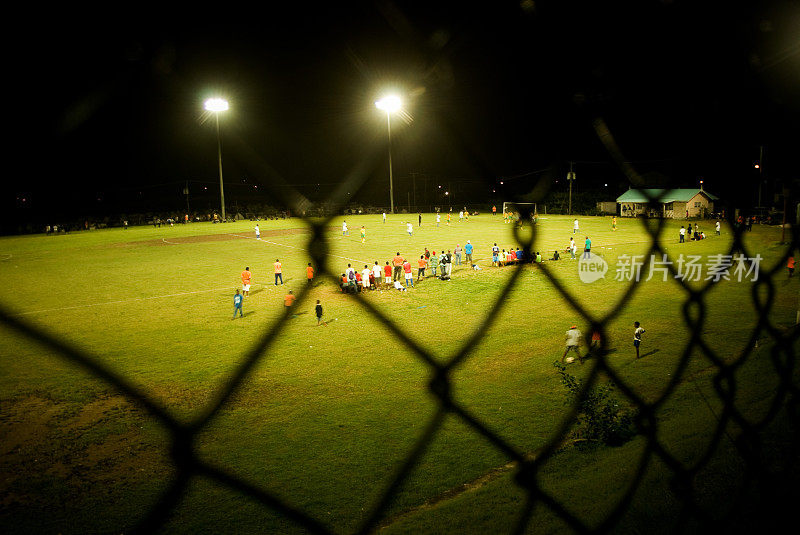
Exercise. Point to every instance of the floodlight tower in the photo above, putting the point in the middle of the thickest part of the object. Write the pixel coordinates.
(217, 105)
(390, 104)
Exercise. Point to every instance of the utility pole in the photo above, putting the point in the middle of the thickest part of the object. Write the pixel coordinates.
(760, 171)
(570, 178)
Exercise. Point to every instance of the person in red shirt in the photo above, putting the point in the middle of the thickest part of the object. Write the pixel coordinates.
(246, 281)
(288, 300)
(310, 273)
(790, 265)
(387, 273)
(409, 276)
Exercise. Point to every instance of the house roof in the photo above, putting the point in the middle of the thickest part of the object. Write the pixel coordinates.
(663, 195)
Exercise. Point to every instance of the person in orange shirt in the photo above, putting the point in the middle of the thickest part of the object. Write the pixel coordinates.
(310, 273)
(288, 300)
(397, 262)
(246, 281)
(790, 265)
(421, 265)
(278, 271)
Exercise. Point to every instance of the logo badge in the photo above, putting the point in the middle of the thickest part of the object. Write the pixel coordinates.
(591, 267)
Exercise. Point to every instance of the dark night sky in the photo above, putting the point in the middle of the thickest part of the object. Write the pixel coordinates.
(110, 103)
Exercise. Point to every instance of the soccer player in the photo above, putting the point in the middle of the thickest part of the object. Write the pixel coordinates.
(384, 217)
(363, 234)
(448, 218)
(614, 223)
(258, 232)
(575, 227)
(717, 228)
(573, 338)
(410, 229)
(288, 300)
(310, 274)
(637, 336)
(246, 281)
(438, 218)
(494, 210)
(419, 224)
(278, 271)
(344, 229)
(318, 312)
(237, 304)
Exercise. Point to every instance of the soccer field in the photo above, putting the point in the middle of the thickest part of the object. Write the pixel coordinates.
(328, 414)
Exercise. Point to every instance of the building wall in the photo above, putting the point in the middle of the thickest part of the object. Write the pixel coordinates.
(699, 206)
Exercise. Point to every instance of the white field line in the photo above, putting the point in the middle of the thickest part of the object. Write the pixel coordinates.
(298, 248)
(122, 301)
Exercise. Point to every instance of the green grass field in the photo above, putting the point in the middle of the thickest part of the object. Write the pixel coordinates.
(328, 413)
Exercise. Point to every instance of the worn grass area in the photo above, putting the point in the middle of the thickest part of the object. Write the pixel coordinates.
(329, 412)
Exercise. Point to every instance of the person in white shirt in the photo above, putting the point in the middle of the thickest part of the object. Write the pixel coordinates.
(258, 232)
(384, 217)
(717, 227)
(683, 234)
(376, 272)
(575, 227)
(344, 228)
(572, 248)
(637, 336)
(410, 229)
(438, 218)
(365, 277)
(573, 338)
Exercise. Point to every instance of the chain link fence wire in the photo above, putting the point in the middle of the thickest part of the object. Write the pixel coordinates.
(188, 465)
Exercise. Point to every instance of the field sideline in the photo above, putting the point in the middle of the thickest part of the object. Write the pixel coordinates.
(329, 412)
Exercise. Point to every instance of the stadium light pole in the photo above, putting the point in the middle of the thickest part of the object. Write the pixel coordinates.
(390, 104)
(217, 105)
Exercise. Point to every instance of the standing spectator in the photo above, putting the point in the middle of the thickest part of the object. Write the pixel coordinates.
(790, 266)
(421, 264)
(468, 252)
(237, 304)
(397, 262)
(683, 235)
(365, 273)
(457, 254)
(318, 312)
(278, 271)
(637, 336)
(449, 263)
(310, 274)
(717, 227)
(376, 273)
(387, 273)
(384, 218)
(408, 274)
(494, 210)
(350, 273)
(258, 232)
(434, 263)
(587, 248)
(246, 275)
(443, 266)
(573, 338)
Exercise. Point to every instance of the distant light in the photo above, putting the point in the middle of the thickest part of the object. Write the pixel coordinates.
(216, 104)
(501, 183)
(447, 193)
(606, 185)
(389, 104)
(757, 166)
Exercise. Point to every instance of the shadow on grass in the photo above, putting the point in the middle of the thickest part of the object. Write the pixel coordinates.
(653, 352)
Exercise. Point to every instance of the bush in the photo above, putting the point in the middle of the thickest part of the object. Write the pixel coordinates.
(601, 417)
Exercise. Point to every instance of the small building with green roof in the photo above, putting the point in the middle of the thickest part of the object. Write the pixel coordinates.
(667, 203)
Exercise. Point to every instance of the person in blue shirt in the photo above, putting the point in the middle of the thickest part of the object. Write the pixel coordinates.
(468, 252)
(237, 304)
(518, 254)
(587, 247)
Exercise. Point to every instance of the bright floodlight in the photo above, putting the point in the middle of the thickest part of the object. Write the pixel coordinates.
(216, 104)
(389, 104)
